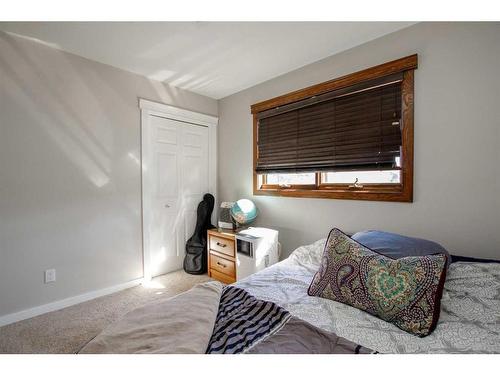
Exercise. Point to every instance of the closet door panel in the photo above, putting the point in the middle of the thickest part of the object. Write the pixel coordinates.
(195, 173)
(177, 181)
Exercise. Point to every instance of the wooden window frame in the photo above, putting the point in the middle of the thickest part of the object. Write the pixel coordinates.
(401, 192)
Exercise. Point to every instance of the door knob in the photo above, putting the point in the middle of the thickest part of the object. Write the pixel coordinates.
(167, 206)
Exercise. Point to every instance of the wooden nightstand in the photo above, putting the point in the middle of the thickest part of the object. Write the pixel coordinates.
(234, 255)
(221, 248)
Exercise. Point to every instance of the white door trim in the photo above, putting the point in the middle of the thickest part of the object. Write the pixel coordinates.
(148, 109)
(176, 113)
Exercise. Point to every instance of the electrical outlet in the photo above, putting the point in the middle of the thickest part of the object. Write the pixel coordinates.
(50, 276)
(266, 260)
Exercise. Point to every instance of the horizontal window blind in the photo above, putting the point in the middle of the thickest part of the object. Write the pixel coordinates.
(354, 128)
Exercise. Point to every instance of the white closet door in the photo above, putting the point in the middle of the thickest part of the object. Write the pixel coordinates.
(176, 184)
(194, 170)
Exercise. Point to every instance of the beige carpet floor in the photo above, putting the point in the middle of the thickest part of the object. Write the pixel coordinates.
(67, 330)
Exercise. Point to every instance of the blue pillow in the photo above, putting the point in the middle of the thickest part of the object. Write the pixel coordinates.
(397, 246)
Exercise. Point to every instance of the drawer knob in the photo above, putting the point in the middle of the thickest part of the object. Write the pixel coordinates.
(221, 244)
(220, 264)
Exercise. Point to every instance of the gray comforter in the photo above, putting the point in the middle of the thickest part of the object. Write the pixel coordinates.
(182, 324)
(216, 320)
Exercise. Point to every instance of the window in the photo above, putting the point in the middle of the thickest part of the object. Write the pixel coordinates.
(364, 177)
(349, 138)
(290, 178)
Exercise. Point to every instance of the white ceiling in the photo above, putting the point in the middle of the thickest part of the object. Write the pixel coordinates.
(215, 59)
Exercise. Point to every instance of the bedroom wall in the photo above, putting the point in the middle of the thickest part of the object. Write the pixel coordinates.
(69, 172)
(457, 133)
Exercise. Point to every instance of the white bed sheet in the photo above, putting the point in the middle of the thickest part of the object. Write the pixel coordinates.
(470, 310)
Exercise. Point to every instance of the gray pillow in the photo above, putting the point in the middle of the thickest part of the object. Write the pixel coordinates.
(397, 246)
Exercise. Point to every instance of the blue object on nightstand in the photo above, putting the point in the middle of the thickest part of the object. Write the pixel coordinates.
(244, 211)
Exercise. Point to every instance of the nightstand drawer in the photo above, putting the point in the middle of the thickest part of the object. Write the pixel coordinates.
(222, 245)
(222, 265)
(222, 277)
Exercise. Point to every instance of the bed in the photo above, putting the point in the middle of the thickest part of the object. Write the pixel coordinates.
(469, 320)
(470, 307)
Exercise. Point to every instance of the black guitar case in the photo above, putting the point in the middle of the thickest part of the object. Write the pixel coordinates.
(195, 261)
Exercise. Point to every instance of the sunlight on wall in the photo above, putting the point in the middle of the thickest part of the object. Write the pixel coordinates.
(80, 137)
(36, 40)
(161, 91)
(136, 160)
(160, 256)
(65, 143)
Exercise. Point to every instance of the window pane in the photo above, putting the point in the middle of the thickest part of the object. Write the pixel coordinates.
(291, 179)
(366, 177)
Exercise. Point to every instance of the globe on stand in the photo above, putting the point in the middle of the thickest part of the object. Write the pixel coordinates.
(243, 212)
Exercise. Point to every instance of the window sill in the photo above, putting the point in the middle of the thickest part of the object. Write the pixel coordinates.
(390, 193)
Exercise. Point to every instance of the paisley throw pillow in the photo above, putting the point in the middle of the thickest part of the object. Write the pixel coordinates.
(405, 292)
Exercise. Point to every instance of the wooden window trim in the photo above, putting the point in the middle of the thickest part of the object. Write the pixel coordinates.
(402, 192)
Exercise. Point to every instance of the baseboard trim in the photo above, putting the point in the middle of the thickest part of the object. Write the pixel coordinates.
(57, 305)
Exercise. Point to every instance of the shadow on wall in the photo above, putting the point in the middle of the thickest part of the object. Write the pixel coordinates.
(30, 83)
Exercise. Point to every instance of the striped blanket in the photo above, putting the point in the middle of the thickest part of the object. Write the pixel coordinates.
(245, 324)
(243, 320)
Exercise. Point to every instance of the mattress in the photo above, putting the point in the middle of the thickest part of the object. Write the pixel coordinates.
(470, 307)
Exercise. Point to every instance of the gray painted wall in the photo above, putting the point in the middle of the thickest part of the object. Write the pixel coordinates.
(457, 137)
(69, 172)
